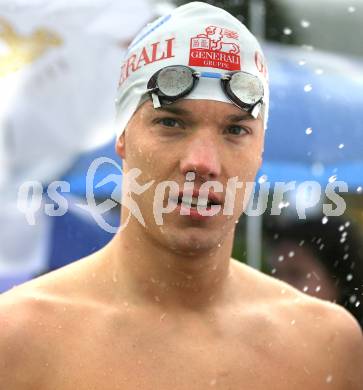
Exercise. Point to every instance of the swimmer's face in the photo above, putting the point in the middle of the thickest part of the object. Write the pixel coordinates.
(216, 140)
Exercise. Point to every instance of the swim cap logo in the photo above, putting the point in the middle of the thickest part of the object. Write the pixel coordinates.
(216, 48)
(157, 51)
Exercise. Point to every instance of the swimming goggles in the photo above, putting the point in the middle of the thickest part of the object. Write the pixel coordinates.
(171, 83)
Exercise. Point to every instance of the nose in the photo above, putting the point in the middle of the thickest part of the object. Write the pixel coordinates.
(202, 156)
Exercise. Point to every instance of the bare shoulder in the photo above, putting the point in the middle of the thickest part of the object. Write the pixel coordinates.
(31, 315)
(22, 348)
(326, 335)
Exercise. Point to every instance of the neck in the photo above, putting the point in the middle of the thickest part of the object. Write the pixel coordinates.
(155, 273)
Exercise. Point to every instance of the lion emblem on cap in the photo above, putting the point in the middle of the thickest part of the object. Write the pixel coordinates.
(218, 39)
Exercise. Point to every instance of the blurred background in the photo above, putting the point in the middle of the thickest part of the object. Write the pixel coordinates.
(59, 68)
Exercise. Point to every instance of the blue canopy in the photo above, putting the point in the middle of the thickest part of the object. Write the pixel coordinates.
(316, 117)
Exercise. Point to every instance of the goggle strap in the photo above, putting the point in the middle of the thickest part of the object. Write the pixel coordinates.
(256, 110)
(156, 100)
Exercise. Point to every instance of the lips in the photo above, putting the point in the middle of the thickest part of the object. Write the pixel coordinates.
(197, 198)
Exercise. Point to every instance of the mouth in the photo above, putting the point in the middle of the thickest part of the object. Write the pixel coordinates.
(196, 200)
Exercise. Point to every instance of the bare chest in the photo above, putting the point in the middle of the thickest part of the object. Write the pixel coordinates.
(157, 356)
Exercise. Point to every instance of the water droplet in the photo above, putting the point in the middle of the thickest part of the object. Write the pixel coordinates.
(308, 88)
(349, 277)
(287, 31)
(162, 317)
(341, 228)
(291, 254)
(351, 9)
(357, 304)
(305, 23)
(319, 71)
(345, 257)
(341, 146)
(332, 179)
(262, 179)
(273, 271)
(309, 130)
(352, 298)
(329, 379)
(306, 288)
(280, 258)
(302, 62)
(283, 205)
(219, 245)
(324, 220)
(308, 275)
(359, 189)
(318, 288)
(293, 322)
(347, 224)
(302, 242)
(283, 291)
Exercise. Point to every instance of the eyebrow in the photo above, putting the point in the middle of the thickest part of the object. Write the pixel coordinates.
(174, 110)
(238, 118)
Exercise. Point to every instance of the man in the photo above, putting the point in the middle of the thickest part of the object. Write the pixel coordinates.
(163, 306)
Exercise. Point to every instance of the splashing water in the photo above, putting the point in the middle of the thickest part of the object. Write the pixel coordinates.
(308, 131)
(262, 179)
(287, 31)
(283, 205)
(305, 23)
(308, 88)
(324, 220)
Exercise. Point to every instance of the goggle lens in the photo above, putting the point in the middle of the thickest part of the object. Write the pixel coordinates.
(175, 81)
(246, 87)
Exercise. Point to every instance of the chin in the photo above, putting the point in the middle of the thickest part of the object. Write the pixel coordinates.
(190, 241)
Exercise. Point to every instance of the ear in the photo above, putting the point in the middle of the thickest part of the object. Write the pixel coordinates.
(120, 146)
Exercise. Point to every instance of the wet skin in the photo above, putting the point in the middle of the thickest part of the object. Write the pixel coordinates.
(165, 307)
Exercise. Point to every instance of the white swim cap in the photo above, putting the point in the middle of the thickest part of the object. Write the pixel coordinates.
(197, 35)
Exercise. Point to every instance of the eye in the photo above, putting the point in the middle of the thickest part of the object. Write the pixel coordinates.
(168, 122)
(236, 130)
